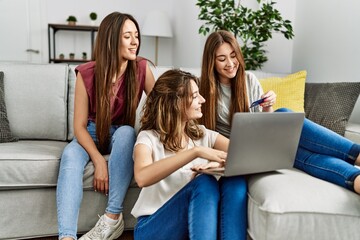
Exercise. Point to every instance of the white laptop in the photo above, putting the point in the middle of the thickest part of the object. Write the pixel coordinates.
(261, 142)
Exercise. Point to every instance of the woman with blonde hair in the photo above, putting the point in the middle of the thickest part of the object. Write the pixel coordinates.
(174, 202)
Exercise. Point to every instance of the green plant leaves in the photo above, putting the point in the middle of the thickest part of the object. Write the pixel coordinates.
(252, 27)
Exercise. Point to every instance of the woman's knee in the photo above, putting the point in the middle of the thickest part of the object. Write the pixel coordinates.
(207, 184)
(74, 156)
(236, 184)
(125, 133)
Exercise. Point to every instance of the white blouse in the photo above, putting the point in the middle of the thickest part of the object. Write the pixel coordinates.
(151, 198)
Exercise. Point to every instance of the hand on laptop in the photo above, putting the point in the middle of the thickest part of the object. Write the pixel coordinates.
(214, 166)
(209, 165)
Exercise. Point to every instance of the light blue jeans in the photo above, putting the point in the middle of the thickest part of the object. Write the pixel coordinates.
(205, 209)
(327, 155)
(69, 190)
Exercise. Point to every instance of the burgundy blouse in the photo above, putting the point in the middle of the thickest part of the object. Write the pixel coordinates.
(87, 71)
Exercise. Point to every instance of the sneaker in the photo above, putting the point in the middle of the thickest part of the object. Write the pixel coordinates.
(104, 231)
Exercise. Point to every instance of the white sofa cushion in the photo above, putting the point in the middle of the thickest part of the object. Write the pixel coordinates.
(284, 203)
(352, 132)
(30, 164)
(36, 102)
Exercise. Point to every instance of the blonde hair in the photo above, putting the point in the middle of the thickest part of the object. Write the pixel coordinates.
(165, 109)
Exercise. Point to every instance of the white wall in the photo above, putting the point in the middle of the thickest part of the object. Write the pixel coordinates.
(327, 42)
(57, 12)
(183, 50)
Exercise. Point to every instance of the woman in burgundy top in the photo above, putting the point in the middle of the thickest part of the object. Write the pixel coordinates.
(107, 93)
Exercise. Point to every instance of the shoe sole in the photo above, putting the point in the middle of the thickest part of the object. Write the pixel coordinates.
(118, 232)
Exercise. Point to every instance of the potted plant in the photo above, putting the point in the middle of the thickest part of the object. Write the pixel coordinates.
(84, 56)
(72, 56)
(93, 17)
(71, 20)
(61, 56)
(252, 27)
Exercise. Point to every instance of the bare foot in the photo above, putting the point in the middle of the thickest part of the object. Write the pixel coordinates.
(357, 161)
(357, 184)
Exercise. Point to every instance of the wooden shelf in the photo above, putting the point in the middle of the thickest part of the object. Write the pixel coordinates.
(54, 28)
(67, 60)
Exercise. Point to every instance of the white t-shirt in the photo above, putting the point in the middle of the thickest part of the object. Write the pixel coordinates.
(151, 198)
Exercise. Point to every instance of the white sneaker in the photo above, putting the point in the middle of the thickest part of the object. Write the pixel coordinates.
(105, 231)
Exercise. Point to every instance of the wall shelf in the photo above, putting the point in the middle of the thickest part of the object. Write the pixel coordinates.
(54, 28)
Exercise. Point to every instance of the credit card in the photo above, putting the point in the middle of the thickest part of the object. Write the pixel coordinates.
(257, 102)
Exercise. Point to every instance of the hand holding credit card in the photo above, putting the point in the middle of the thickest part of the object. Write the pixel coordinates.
(257, 102)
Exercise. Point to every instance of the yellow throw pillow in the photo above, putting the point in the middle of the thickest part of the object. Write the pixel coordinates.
(289, 90)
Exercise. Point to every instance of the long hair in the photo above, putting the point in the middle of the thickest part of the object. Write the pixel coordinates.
(165, 109)
(108, 62)
(210, 84)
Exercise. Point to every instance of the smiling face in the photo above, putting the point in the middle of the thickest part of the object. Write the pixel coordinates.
(226, 63)
(194, 110)
(129, 40)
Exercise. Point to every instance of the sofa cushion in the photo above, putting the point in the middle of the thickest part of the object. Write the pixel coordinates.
(36, 100)
(289, 90)
(331, 104)
(352, 132)
(284, 203)
(5, 132)
(35, 164)
(30, 164)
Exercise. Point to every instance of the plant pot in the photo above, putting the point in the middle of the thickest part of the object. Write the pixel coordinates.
(71, 23)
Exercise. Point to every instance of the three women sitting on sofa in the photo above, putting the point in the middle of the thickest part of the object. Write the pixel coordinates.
(106, 96)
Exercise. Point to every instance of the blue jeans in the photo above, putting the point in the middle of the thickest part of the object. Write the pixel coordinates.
(69, 190)
(197, 210)
(327, 155)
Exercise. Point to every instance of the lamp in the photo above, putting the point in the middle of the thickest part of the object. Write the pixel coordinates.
(157, 24)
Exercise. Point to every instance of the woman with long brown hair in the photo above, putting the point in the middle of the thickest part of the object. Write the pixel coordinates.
(107, 93)
(225, 84)
(173, 203)
(228, 88)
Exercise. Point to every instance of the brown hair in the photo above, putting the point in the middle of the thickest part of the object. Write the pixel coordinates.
(108, 60)
(210, 85)
(165, 109)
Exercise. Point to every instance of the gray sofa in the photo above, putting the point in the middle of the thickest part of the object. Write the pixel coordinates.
(286, 204)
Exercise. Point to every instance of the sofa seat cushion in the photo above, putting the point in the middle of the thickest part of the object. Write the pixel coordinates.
(284, 203)
(35, 164)
(29, 164)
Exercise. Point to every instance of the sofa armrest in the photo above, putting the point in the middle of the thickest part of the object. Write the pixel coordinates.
(355, 115)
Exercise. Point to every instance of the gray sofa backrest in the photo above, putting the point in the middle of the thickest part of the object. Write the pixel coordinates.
(36, 100)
